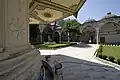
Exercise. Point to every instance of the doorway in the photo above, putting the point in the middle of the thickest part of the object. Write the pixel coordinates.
(102, 39)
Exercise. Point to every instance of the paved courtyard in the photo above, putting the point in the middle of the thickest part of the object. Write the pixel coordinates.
(78, 63)
(81, 51)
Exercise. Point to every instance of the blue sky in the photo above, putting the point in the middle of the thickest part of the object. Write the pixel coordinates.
(96, 9)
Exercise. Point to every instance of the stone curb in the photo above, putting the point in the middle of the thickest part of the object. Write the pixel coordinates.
(104, 61)
(108, 62)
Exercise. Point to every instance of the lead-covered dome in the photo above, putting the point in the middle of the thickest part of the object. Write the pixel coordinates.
(90, 20)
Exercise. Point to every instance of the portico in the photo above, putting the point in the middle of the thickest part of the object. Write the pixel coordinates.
(18, 60)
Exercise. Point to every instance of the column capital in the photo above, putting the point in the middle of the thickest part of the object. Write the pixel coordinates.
(97, 29)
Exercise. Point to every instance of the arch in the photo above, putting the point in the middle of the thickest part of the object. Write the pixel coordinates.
(47, 34)
(47, 30)
(109, 33)
(88, 27)
(89, 33)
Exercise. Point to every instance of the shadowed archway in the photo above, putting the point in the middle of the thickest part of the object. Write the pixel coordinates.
(47, 34)
(89, 33)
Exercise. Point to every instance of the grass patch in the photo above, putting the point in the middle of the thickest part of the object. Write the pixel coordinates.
(53, 46)
(112, 51)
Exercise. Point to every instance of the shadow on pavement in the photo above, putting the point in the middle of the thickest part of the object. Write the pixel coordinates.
(78, 69)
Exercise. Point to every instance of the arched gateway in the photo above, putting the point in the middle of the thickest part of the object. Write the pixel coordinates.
(89, 33)
(18, 60)
(47, 34)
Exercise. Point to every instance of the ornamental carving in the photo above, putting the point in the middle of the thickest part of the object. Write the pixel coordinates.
(73, 7)
(17, 28)
(47, 14)
(40, 8)
(20, 3)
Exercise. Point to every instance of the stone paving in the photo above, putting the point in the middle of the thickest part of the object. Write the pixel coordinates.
(78, 64)
(81, 51)
(78, 69)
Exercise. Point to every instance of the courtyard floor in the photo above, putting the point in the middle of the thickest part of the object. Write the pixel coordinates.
(79, 63)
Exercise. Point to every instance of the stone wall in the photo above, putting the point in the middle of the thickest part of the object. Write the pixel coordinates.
(112, 38)
(14, 23)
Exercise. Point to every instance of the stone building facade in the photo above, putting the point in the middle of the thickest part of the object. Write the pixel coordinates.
(106, 30)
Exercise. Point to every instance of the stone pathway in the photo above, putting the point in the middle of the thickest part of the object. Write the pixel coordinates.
(78, 63)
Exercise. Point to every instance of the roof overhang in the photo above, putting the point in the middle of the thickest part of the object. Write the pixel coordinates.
(47, 11)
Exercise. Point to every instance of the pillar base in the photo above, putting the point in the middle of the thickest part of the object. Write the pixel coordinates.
(22, 67)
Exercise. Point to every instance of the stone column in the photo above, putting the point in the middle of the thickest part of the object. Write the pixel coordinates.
(14, 25)
(97, 36)
(68, 37)
(60, 37)
(18, 61)
(41, 27)
(1, 39)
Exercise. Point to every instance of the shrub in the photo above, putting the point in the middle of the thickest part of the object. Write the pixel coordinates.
(118, 61)
(111, 58)
(100, 50)
(100, 56)
(104, 57)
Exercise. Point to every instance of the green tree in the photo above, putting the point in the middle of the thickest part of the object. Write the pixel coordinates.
(73, 26)
(70, 27)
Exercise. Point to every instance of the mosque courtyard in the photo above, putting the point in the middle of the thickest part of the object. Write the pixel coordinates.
(25, 23)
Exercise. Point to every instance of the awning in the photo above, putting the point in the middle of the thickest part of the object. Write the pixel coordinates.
(47, 11)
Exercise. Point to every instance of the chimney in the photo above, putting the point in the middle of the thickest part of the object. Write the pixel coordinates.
(109, 13)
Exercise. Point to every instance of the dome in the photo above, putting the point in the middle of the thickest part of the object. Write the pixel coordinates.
(109, 15)
(90, 20)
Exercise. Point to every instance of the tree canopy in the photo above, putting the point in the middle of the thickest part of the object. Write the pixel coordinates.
(69, 25)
